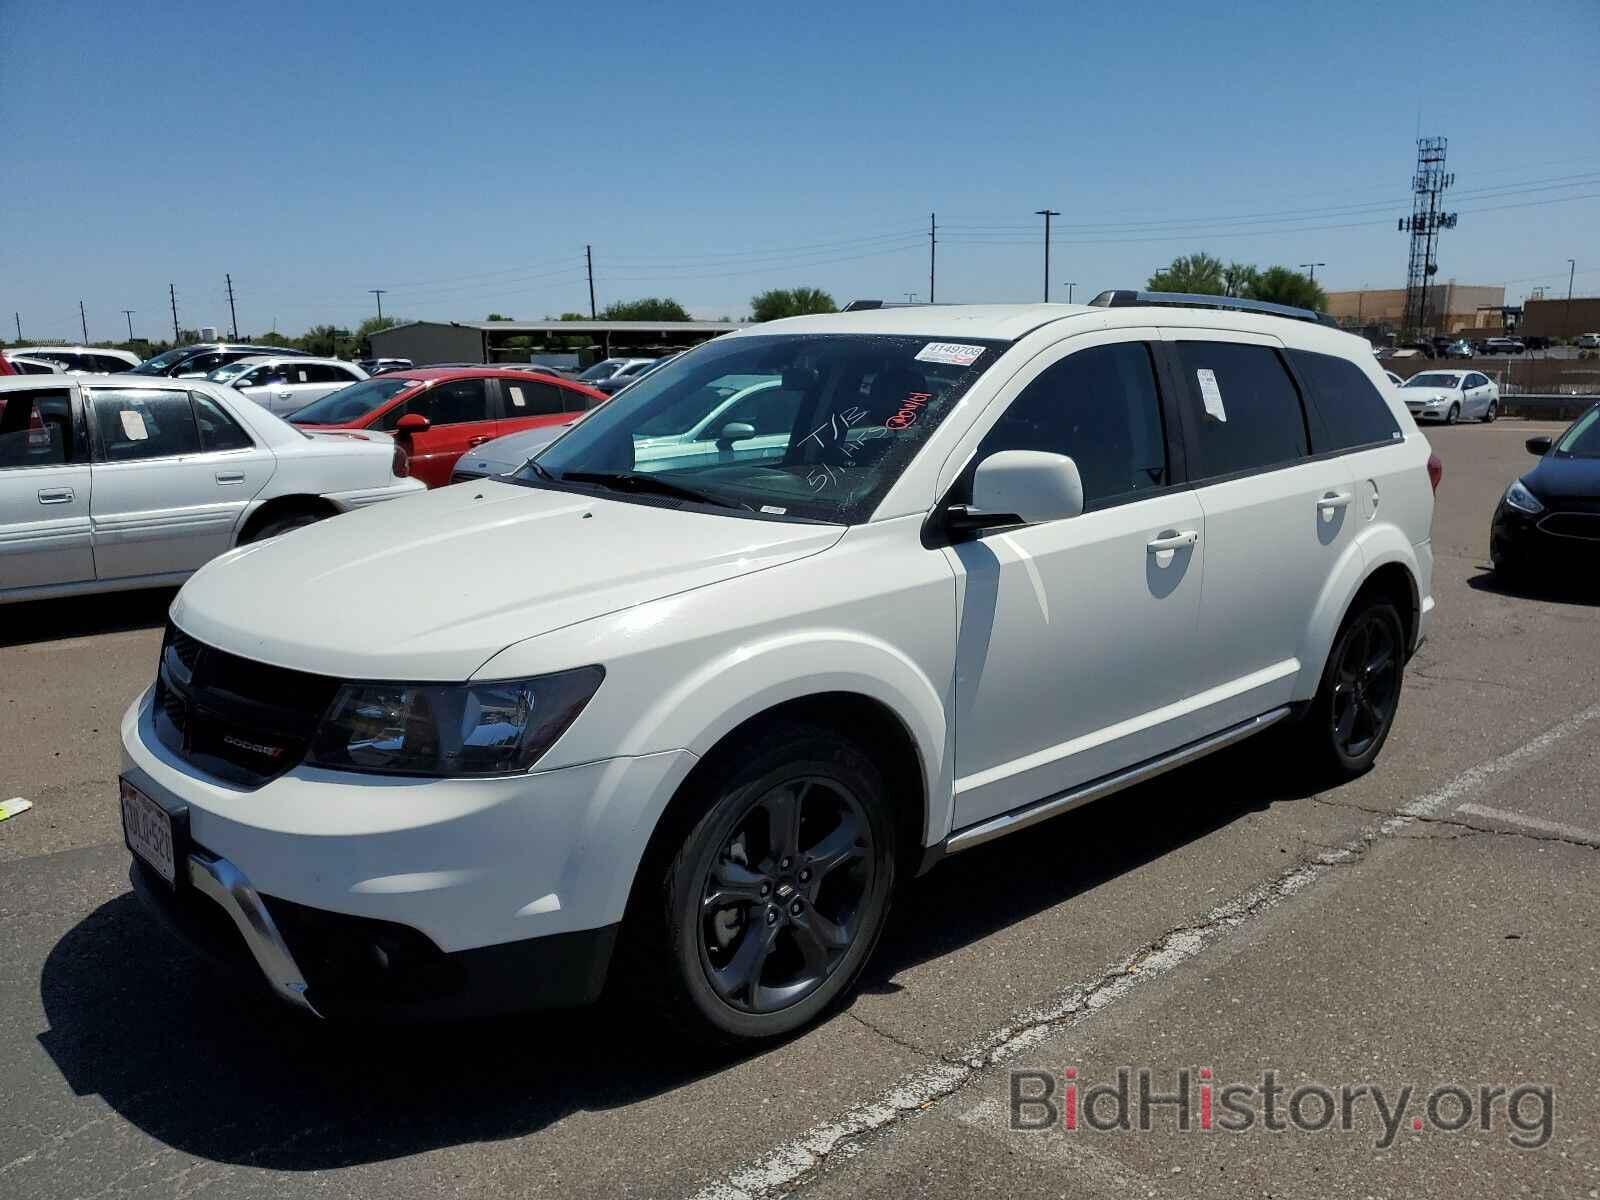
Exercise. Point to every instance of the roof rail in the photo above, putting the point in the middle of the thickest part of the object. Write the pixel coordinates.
(865, 305)
(1118, 298)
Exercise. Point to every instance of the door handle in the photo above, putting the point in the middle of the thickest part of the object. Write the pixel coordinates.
(55, 495)
(478, 441)
(225, 477)
(1335, 499)
(1173, 541)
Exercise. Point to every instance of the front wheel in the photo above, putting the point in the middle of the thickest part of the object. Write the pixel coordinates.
(1454, 414)
(1355, 706)
(770, 904)
(1490, 413)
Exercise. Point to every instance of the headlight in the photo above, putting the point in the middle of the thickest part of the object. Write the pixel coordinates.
(501, 727)
(1521, 499)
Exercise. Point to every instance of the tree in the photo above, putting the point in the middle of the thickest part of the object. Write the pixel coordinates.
(494, 316)
(1280, 285)
(1238, 279)
(1197, 273)
(651, 308)
(572, 316)
(791, 302)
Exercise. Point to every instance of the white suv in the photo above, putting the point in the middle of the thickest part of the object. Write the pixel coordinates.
(686, 719)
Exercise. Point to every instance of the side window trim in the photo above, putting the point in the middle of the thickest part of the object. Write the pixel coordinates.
(238, 426)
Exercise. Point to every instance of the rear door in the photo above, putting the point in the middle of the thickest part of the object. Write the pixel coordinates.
(172, 477)
(45, 532)
(531, 403)
(1277, 518)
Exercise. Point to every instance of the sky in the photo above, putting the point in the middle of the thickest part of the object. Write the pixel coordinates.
(462, 156)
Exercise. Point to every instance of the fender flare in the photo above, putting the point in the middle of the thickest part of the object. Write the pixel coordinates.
(1374, 547)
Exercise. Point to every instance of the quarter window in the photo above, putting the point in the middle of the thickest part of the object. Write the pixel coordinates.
(1242, 407)
(1353, 412)
(218, 431)
(1099, 406)
(138, 423)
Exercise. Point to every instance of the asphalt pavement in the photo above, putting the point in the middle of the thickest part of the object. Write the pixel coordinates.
(1428, 930)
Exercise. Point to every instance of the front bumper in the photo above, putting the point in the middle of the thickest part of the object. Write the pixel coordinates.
(1551, 540)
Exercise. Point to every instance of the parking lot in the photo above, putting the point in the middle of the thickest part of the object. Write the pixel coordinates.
(1433, 922)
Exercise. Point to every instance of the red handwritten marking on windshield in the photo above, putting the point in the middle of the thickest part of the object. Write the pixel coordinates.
(909, 409)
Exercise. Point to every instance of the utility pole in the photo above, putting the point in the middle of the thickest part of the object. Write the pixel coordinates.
(172, 292)
(128, 312)
(83, 323)
(1566, 321)
(1046, 213)
(1312, 267)
(232, 311)
(18, 316)
(378, 292)
(588, 257)
(933, 240)
(1071, 283)
(911, 297)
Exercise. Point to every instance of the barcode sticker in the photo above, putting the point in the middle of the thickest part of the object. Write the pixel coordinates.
(1211, 394)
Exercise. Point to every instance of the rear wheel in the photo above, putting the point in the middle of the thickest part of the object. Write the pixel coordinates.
(1354, 709)
(280, 525)
(761, 915)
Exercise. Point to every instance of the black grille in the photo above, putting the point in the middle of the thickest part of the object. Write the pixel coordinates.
(1573, 525)
(240, 720)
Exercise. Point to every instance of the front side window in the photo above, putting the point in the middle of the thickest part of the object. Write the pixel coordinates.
(452, 402)
(1352, 411)
(161, 363)
(218, 431)
(814, 426)
(133, 424)
(1583, 439)
(36, 429)
(1242, 407)
(1100, 407)
(352, 403)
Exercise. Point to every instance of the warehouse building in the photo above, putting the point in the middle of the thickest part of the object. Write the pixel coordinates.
(1561, 318)
(521, 341)
(1451, 306)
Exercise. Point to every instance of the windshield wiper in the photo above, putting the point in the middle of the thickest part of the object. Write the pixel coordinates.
(541, 472)
(638, 481)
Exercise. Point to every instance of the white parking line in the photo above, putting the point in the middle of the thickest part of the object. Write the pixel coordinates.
(777, 1171)
(1518, 820)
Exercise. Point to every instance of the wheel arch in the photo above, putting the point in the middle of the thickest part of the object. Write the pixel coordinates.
(282, 506)
(1381, 562)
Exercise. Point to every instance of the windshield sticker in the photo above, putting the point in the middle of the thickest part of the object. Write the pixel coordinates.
(774, 510)
(954, 353)
(909, 408)
(516, 395)
(1211, 394)
(133, 425)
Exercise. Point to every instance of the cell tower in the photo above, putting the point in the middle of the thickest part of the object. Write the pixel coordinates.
(1424, 224)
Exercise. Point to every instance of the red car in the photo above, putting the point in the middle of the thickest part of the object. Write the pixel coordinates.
(438, 413)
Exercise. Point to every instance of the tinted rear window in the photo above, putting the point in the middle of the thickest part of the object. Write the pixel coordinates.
(1353, 412)
(1242, 406)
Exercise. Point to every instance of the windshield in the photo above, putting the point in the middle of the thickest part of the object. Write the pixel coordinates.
(351, 403)
(811, 426)
(160, 364)
(1583, 439)
(1437, 379)
(233, 370)
(604, 369)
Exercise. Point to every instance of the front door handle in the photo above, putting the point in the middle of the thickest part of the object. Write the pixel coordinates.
(226, 477)
(478, 441)
(55, 495)
(1172, 541)
(1332, 500)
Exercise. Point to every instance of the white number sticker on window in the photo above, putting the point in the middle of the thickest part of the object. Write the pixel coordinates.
(1211, 394)
(954, 353)
(516, 395)
(133, 425)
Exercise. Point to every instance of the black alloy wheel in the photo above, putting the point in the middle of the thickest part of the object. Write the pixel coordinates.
(1366, 684)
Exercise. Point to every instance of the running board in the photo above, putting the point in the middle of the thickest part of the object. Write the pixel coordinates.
(1054, 806)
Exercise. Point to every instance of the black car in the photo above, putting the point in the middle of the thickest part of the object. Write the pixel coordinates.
(197, 361)
(1550, 518)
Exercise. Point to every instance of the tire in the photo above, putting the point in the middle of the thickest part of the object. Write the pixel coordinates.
(1347, 725)
(283, 524)
(791, 939)
(1453, 415)
(1490, 413)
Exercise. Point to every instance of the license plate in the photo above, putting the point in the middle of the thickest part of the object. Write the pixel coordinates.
(148, 830)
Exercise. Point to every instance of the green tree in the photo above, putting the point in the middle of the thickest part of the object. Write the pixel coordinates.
(274, 338)
(791, 302)
(1280, 285)
(572, 316)
(373, 324)
(1200, 274)
(1238, 279)
(494, 316)
(651, 308)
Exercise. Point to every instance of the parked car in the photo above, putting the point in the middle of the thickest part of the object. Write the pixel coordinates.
(1460, 348)
(1502, 345)
(286, 384)
(377, 366)
(198, 361)
(1426, 349)
(1549, 519)
(26, 364)
(1588, 341)
(503, 455)
(1451, 396)
(438, 413)
(608, 368)
(81, 360)
(1394, 379)
(629, 375)
(687, 724)
(129, 483)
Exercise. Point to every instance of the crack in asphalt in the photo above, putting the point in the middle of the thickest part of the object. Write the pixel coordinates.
(1468, 826)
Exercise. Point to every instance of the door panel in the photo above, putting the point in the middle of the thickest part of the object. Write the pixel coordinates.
(45, 534)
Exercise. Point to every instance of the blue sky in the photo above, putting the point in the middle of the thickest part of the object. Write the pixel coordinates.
(461, 156)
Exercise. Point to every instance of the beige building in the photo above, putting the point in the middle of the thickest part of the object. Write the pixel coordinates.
(1561, 318)
(1451, 306)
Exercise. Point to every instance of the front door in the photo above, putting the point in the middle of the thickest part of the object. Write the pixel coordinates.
(1076, 650)
(45, 535)
(460, 415)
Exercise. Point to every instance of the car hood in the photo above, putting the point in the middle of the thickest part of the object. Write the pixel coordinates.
(432, 586)
(1558, 479)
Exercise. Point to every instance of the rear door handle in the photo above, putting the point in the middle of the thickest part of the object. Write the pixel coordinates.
(1173, 541)
(1335, 499)
(55, 495)
(224, 477)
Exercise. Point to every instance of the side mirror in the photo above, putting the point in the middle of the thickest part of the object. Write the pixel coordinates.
(735, 431)
(1539, 445)
(1021, 486)
(412, 423)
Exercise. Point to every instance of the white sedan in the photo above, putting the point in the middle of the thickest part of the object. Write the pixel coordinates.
(118, 481)
(1451, 396)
